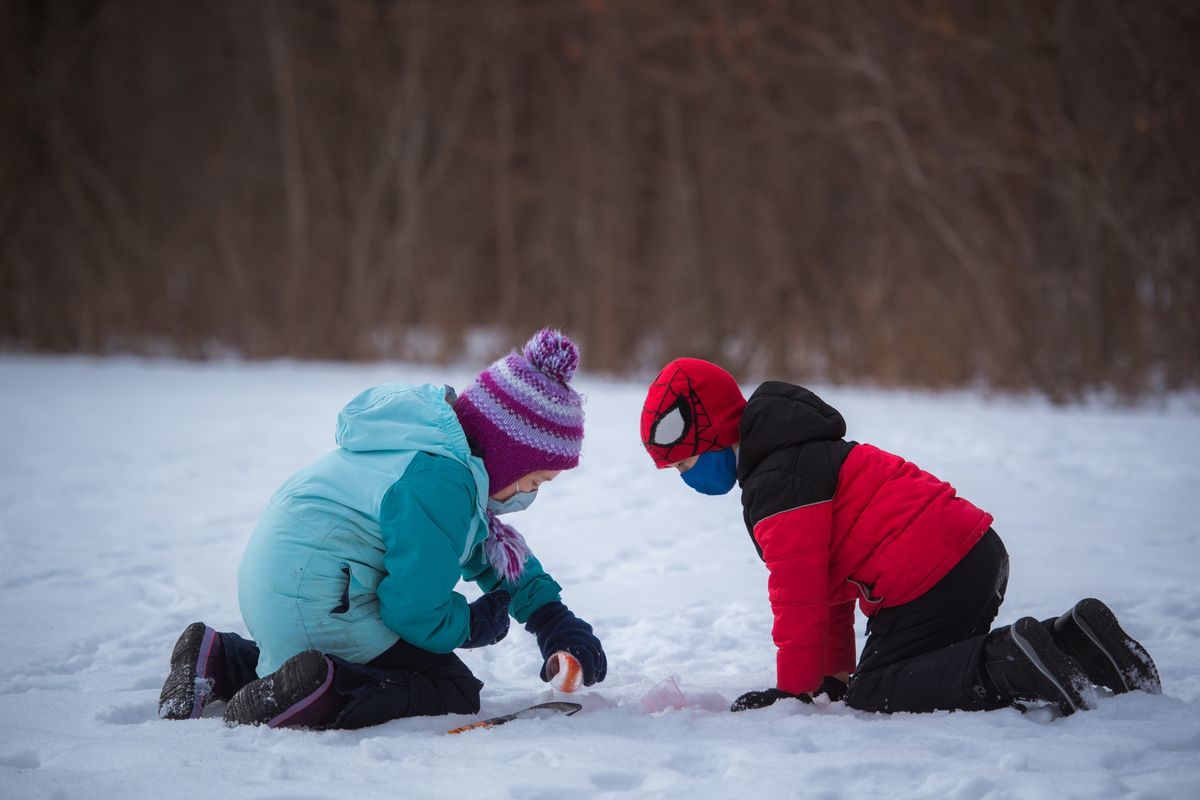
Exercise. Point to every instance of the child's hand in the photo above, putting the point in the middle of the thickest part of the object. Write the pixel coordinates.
(556, 628)
(767, 697)
(489, 619)
(834, 687)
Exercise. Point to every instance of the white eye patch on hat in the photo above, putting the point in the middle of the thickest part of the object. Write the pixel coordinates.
(671, 427)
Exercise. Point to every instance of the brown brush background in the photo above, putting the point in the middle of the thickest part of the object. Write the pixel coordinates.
(902, 193)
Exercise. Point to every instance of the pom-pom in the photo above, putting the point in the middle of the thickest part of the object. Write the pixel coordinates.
(505, 549)
(553, 353)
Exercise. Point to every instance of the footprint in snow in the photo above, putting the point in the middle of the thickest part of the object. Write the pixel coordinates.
(616, 781)
(20, 759)
(129, 714)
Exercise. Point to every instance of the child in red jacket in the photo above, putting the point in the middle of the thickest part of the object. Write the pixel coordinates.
(836, 521)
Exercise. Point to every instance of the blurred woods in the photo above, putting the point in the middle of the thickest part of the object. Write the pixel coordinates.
(905, 193)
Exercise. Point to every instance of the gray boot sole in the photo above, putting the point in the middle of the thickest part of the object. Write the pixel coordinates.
(1091, 634)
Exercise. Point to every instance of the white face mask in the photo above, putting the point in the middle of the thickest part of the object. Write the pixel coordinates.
(518, 502)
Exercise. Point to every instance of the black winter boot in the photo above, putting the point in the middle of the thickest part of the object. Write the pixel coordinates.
(1022, 663)
(298, 694)
(194, 680)
(1091, 635)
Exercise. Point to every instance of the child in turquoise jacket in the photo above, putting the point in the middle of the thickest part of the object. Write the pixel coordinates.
(347, 583)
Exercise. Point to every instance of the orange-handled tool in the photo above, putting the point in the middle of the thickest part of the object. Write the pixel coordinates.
(540, 710)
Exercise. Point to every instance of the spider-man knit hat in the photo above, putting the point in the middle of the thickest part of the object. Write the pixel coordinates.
(522, 413)
(692, 407)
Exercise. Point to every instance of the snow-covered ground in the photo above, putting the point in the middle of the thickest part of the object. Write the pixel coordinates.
(128, 487)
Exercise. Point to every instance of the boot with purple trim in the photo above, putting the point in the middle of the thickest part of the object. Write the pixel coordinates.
(196, 677)
(299, 694)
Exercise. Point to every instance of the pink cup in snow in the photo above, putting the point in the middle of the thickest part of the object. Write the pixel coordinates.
(663, 696)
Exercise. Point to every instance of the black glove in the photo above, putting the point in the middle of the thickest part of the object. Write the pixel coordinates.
(556, 628)
(489, 619)
(764, 698)
(833, 688)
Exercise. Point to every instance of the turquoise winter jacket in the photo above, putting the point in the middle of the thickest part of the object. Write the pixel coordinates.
(365, 546)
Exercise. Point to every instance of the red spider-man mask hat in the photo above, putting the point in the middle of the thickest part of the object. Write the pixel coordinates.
(693, 406)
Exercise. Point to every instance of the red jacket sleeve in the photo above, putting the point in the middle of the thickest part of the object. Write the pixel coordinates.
(795, 547)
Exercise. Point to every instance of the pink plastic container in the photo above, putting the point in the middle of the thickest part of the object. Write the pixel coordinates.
(664, 695)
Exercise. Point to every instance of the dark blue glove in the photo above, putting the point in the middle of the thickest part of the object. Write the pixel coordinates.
(489, 619)
(764, 698)
(556, 628)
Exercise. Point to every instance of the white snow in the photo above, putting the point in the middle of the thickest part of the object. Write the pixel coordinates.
(128, 487)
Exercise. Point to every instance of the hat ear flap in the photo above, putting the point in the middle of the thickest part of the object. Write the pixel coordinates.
(672, 425)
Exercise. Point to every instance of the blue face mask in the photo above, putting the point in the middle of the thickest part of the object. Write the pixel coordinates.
(714, 472)
(518, 502)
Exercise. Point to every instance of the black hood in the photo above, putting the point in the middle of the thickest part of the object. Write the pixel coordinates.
(780, 415)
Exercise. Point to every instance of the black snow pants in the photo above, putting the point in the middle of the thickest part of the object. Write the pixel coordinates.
(926, 655)
(403, 681)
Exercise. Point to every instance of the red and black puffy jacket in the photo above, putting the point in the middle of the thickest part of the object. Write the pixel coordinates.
(835, 520)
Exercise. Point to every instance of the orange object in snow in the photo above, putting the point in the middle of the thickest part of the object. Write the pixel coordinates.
(565, 673)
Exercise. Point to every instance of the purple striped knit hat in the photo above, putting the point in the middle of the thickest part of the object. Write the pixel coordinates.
(521, 412)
